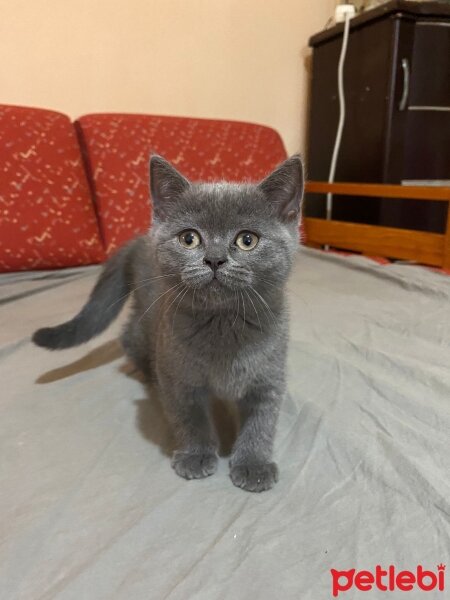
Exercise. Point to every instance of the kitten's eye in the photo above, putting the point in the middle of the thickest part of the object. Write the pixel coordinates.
(246, 240)
(190, 239)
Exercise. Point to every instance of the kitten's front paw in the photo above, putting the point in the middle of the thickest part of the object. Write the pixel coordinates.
(254, 477)
(194, 465)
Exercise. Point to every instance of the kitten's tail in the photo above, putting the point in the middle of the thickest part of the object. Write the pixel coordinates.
(105, 303)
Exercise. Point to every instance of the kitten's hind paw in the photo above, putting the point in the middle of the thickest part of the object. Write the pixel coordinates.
(194, 465)
(254, 477)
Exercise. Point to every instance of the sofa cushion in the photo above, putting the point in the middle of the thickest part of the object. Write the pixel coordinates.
(47, 218)
(118, 147)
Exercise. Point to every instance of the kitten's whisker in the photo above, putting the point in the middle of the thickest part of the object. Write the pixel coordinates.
(265, 313)
(193, 280)
(231, 278)
(173, 300)
(243, 304)
(274, 319)
(157, 277)
(237, 311)
(159, 298)
(178, 306)
(264, 305)
(269, 282)
(268, 279)
(254, 308)
(242, 269)
(192, 273)
(192, 302)
(124, 296)
(143, 283)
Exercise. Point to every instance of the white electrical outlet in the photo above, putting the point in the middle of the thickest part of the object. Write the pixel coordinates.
(342, 10)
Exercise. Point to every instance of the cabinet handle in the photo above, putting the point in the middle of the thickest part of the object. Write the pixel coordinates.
(405, 92)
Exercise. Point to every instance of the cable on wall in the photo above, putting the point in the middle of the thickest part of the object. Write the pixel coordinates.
(337, 142)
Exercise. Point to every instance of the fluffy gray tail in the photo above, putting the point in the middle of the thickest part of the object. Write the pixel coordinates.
(105, 303)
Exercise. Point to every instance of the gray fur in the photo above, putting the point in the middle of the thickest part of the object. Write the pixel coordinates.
(208, 321)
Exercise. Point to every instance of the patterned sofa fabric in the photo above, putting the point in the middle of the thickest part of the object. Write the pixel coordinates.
(118, 147)
(47, 217)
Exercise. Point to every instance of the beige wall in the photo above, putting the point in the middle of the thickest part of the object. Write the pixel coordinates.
(237, 59)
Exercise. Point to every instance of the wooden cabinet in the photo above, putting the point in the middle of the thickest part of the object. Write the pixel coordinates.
(397, 128)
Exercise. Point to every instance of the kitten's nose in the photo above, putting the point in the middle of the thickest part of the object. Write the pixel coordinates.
(214, 263)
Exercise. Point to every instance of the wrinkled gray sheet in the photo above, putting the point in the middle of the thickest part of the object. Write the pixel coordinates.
(90, 508)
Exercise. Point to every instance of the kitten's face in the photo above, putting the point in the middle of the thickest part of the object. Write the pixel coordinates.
(224, 237)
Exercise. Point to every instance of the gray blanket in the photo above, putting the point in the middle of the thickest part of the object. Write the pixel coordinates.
(91, 510)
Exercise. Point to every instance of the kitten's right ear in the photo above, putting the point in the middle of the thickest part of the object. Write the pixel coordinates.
(284, 188)
(166, 185)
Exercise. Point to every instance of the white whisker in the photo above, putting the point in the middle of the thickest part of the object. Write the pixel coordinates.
(254, 308)
(138, 287)
(157, 277)
(192, 302)
(265, 305)
(243, 304)
(173, 300)
(269, 282)
(237, 311)
(158, 298)
(178, 305)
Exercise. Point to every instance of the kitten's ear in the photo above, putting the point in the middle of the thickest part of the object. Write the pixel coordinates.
(166, 185)
(284, 188)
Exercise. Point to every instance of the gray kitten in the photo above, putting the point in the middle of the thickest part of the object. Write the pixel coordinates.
(209, 314)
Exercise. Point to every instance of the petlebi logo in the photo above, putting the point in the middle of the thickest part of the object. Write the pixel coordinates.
(388, 580)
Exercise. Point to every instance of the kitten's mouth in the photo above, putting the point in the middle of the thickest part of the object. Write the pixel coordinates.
(215, 283)
(220, 281)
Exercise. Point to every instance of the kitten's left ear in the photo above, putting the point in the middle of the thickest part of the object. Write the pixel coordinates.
(284, 188)
(166, 185)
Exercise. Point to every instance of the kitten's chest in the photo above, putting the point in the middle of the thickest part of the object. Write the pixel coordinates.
(230, 369)
(224, 358)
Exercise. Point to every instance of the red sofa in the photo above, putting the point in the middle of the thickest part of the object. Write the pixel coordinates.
(71, 193)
